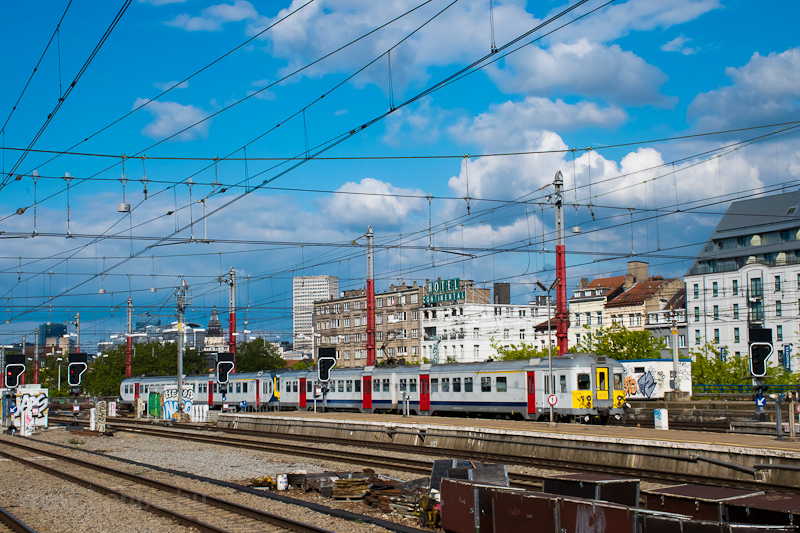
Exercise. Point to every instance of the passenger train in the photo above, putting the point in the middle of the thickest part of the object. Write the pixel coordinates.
(584, 386)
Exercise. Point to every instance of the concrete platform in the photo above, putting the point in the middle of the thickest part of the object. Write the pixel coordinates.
(730, 456)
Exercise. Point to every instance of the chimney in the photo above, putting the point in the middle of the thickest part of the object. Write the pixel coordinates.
(637, 269)
(583, 283)
(502, 293)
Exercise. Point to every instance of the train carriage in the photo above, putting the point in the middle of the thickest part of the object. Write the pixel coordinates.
(584, 386)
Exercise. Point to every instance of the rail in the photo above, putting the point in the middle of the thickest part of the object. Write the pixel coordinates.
(13, 523)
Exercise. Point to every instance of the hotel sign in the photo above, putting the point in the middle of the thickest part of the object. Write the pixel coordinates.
(443, 290)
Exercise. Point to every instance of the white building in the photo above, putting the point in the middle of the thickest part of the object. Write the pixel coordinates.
(464, 332)
(747, 276)
(305, 290)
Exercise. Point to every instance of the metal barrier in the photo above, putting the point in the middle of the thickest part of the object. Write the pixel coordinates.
(735, 388)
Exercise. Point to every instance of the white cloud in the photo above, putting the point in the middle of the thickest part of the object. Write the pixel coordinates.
(418, 124)
(339, 112)
(362, 210)
(519, 118)
(764, 90)
(166, 85)
(620, 19)
(212, 18)
(677, 45)
(171, 117)
(584, 68)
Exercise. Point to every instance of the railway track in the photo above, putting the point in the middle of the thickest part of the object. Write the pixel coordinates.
(189, 508)
(11, 524)
(221, 437)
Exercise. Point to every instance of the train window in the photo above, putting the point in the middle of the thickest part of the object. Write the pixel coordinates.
(638, 370)
(531, 384)
(486, 384)
(412, 385)
(357, 384)
(546, 385)
(263, 387)
(309, 386)
(467, 384)
(244, 387)
(601, 381)
(349, 385)
(502, 385)
(456, 384)
(434, 384)
(385, 385)
(294, 386)
(584, 383)
(617, 381)
(445, 384)
(376, 385)
(215, 388)
(403, 387)
(288, 387)
(563, 381)
(341, 386)
(238, 388)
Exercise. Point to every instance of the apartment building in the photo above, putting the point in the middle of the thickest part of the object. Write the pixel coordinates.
(748, 276)
(305, 291)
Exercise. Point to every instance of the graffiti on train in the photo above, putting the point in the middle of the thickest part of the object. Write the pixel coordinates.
(648, 381)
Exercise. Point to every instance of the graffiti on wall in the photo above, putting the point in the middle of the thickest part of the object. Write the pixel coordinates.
(647, 380)
(169, 401)
(35, 402)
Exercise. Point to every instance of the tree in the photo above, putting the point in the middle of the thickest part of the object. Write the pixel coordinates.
(304, 364)
(517, 352)
(620, 343)
(256, 355)
(708, 368)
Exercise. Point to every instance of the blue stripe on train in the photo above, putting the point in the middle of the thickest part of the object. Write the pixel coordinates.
(470, 404)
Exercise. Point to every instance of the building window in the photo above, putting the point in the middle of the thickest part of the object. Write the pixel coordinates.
(522, 334)
(414, 333)
(716, 336)
(736, 311)
(696, 290)
(716, 312)
(756, 289)
(577, 338)
(599, 318)
(736, 335)
(476, 351)
(505, 333)
(379, 319)
(578, 318)
(347, 354)
(697, 337)
(414, 298)
(630, 319)
(697, 314)
(347, 322)
(779, 333)
(379, 302)
(778, 308)
(715, 289)
(415, 315)
(682, 341)
(336, 308)
(777, 284)
(379, 334)
(588, 319)
(476, 333)
(736, 287)
(638, 319)
(347, 306)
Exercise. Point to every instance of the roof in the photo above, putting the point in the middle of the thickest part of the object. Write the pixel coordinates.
(678, 300)
(638, 293)
(610, 284)
(543, 325)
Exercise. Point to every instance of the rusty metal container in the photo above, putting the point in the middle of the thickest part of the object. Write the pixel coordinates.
(524, 512)
(624, 491)
(771, 508)
(700, 502)
(467, 505)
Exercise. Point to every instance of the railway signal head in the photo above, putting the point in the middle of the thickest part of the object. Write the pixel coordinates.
(224, 366)
(15, 367)
(325, 362)
(760, 350)
(78, 363)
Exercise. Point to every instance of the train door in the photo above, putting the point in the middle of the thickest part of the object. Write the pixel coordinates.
(366, 393)
(210, 393)
(302, 392)
(135, 391)
(602, 384)
(531, 393)
(258, 393)
(424, 393)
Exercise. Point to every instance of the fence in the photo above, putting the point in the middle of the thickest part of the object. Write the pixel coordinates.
(701, 388)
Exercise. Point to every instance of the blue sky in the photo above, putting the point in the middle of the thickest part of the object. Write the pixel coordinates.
(627, 73)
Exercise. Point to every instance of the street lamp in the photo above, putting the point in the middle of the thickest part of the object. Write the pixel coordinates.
(551, 383)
